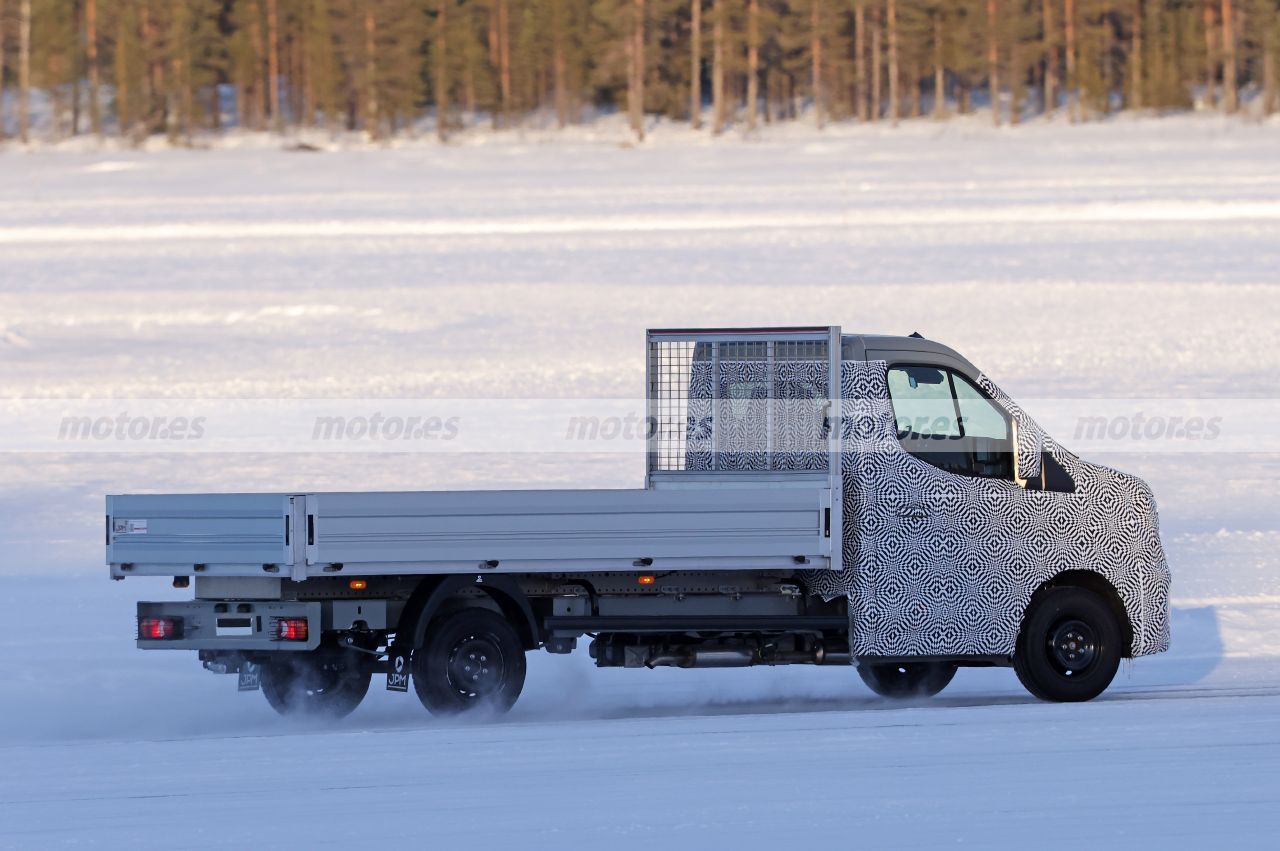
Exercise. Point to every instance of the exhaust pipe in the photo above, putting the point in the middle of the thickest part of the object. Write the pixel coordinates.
(704, 657)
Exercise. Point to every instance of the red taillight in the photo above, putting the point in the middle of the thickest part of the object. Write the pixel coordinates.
(291, 629)
(159, 629)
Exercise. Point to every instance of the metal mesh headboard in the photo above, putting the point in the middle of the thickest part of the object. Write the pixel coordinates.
(719, 400)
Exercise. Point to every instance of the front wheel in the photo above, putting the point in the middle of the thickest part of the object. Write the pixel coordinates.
(1070, 646)
(904, 680)
(472, 660)
(315, 684)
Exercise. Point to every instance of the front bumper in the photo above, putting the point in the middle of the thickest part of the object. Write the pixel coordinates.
(1151, 633)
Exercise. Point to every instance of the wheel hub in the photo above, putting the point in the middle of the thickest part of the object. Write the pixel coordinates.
(475, 666)
(1073, 647)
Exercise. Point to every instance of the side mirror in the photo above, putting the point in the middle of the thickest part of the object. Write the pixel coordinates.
(1028, 456)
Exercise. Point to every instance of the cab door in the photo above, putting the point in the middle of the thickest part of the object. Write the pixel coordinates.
(942, 489)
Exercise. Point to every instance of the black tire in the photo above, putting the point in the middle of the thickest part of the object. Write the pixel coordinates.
(319, 684)
(1070, 645)
(473, 660)
(907, 680)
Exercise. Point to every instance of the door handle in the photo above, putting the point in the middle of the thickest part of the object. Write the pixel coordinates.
(913, 512)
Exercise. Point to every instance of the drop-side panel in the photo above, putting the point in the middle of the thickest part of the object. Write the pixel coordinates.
(225, 533)
(567, 530)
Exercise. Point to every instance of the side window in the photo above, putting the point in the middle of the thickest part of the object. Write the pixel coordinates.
(928, 423)
(922, 403)
(944, 420)
(979, 415)
(986, 430)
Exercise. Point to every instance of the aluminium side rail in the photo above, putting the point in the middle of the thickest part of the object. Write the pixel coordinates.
(531, 531)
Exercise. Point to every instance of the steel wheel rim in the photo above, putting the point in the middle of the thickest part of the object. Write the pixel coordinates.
(1073, 647)
(475, 667)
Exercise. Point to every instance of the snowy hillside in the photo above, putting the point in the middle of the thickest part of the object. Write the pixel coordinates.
(1130, 260)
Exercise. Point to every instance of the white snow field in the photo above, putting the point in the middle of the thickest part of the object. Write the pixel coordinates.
(1120, 260)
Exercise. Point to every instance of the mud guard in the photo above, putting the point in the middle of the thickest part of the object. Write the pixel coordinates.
(431, 593)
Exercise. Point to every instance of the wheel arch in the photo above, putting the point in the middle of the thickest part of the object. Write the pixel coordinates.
(1090, 581)
(434, 592)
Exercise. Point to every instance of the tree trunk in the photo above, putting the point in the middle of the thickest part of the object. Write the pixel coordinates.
(57, 99)
(273, 63)
(258, 103)
(695, 64)
(877, 83)
(1135, 58)
(815, 55)
(124, 100)
(295, 60)
(91, 64)
(4, 89)
(635, 88)
(188, 94)
(307, 114)
(917, 83)
(370, 75)
(993, 59)
(770, 97)
(77, 74)
(559, 66)
(470, 101)
(152, 46)
(860, 58)
(1210, 56)
(442, 70)
(939, 72)
(1270, 90)
(1230, 94)
(717, 67)
(1017, 80)
(1050, 98)
(174, 120)
(642, 64)
(495, 54)
(504, 56)
(1072, 95)
(629, 53)
(753, 62)
(24, 70)
(895, 99)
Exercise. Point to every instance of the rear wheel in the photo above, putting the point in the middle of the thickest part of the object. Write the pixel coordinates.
(904, 680)
(317, 684)
(472, 660)
(1070, 646)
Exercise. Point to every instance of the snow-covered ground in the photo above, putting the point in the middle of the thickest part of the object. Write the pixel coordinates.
(1132, 260)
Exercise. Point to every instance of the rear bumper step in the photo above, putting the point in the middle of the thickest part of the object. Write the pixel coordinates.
(232, 625)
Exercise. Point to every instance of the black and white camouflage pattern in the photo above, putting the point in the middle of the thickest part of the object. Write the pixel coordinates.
(763, 419)
(942, 564)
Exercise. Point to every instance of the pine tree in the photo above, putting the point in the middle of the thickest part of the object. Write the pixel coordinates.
(137, 67)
